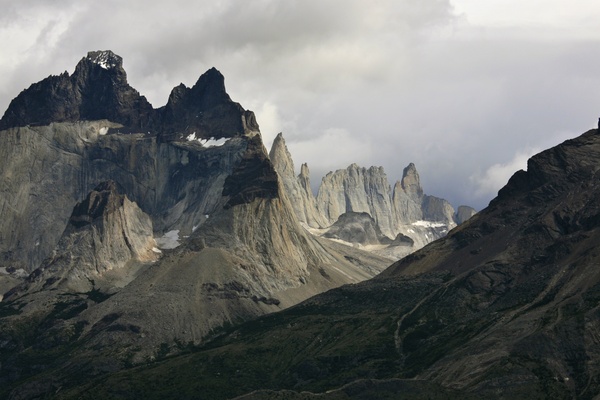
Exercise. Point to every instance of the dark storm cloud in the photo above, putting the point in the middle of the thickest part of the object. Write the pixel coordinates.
(385, 83)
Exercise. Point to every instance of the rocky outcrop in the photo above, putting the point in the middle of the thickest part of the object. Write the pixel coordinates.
(105, 232)
(297, 188)
(463, 214)
(358, 228)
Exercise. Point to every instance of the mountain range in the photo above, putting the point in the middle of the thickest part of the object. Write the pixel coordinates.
(357, 206)
(162, 253)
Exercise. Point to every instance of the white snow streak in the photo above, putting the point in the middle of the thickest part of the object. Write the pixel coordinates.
(429, 224)
(212, 142)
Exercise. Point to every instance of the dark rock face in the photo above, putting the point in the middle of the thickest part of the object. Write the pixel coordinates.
(205, 109)
(98, 89)
(253, 178)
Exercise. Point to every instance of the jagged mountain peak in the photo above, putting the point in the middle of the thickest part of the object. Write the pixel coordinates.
(304, 171)
(281, 157)
(411, 183)
(298, 187)
(98, 89)
(204, 110)
(105, 59)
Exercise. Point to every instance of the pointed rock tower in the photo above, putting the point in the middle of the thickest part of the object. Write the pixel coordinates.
(298, 187)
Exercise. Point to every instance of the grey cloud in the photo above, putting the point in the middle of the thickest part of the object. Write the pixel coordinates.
(392, 81)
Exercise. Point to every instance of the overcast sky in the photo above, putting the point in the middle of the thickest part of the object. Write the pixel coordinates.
(465, 89)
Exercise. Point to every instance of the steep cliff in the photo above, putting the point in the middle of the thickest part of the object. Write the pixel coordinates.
(408, 196)
(357, 189)
(46, 170)
(298, 187)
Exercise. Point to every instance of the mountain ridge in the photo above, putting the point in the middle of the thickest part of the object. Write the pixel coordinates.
(98, 90)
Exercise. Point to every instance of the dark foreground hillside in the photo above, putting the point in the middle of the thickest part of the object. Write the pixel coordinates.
(506, 306)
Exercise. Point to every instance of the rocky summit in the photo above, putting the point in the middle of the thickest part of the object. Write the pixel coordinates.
(98, 90)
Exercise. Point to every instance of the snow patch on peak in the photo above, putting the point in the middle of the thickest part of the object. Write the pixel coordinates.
(212, 142)
(105, 59)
